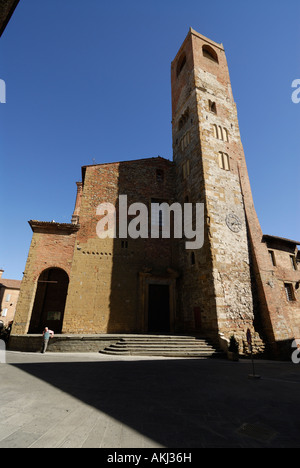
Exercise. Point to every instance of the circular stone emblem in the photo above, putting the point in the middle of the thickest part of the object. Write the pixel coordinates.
(233, 222)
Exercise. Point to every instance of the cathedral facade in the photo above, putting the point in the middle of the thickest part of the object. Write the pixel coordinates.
(238, 280)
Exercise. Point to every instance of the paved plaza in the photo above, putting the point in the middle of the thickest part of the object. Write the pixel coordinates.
(92, 400)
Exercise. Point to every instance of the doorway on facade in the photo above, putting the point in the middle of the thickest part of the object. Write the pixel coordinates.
(50, 300)
(159, 308)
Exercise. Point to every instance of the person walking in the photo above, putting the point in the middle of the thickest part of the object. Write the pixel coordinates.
(47, 334)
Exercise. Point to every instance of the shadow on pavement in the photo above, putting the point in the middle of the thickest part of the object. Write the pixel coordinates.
(183, 403)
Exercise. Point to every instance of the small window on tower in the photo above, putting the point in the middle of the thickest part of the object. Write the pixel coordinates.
(224, 161)
(272, 257)
(216, 133)
(160, 175)
(226, 136)
(183, 119)
(289, 291)
(212, 107)
(185, 141)
(210, 53)
(293, 262)
(157, 210)
(186, 170)
(221, 136)
(221, 133)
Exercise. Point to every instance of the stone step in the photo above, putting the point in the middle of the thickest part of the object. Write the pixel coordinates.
(164, 343)
(162, 337)
(160, 353)
(167, 339)
(121, 347)
(174, 341)
(155, 345)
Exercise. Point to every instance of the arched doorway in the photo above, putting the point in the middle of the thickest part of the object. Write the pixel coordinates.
(50, 300)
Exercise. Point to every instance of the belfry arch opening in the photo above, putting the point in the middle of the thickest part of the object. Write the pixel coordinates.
(50, 300)
(210, 53)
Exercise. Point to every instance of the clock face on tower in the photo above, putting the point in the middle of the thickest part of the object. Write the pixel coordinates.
(233, 222)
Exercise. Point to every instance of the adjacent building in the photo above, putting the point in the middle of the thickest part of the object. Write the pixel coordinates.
(9, 294)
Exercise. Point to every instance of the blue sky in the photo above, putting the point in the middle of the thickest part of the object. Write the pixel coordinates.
(90, 82)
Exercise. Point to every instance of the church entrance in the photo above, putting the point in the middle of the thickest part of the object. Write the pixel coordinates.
(159, 308)
(50, 300)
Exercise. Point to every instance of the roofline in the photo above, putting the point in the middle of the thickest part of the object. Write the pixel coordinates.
(210, 41)
(17, 288)
(192, 32)
(53, 226)
(158, 158)
(280, 239)
(129, 162)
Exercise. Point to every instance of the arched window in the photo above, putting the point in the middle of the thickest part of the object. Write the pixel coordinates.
(221, 163)
(210, 53)
(186, 170)
(224, 161)
(216, 135)
(183, 119)
(220, 133)
(185, 140)
(225, 133)
(212, 107)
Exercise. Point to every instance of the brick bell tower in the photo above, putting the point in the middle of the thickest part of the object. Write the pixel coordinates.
(215, 291)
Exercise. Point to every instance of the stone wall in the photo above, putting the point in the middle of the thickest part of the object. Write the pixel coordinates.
(63, 343)
(219, 284)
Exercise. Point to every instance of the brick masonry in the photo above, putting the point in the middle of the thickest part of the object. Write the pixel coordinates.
(104, 294)
(52, 246)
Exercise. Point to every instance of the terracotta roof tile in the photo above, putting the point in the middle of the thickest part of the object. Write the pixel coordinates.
(10, 284)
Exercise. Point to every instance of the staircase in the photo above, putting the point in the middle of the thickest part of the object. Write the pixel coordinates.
(157, 345)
